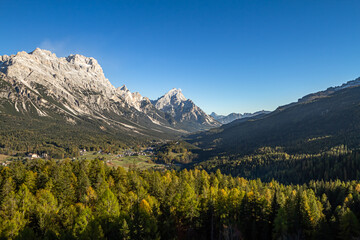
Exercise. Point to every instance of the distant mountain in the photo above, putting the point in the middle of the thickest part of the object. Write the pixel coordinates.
(234, 116)
(184, 111)
(316, 122)
(226, 119)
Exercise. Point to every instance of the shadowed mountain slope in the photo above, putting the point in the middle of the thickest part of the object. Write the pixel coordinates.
(317, 121)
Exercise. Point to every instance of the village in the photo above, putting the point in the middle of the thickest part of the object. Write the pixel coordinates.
(126, 153)
(129, 158)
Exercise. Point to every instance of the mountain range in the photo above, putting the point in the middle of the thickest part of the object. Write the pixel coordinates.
(235, 116)
(314, 123)
(184, 111)
(39, 87)
(44, 97)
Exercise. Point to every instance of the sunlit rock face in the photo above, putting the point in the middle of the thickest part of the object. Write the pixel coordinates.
(183, 109)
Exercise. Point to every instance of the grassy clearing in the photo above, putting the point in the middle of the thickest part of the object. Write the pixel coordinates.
(4, 157)
(94, 155)
(140, 162)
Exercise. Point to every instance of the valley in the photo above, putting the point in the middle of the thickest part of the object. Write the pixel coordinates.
(81, 159)
(180, 120)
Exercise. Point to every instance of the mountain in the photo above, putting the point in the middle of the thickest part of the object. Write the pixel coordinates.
(234, 116)
(40, 92)
(325, 93)
(316, 122)
(226, 119)
(44, 94)
(135, 100)
(187, 115)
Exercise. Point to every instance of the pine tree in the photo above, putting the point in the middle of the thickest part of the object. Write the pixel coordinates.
(349, 225)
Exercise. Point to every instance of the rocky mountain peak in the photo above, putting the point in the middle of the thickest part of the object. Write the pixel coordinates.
(176, 93)
(82, 60)
(214, 115)
(41, 52)
(182, 109)
(123, 88)
(65, 74)
(134, 99)
(172, 98)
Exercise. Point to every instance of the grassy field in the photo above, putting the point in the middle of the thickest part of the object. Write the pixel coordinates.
(140, 162)
(4, 157)
(94, 155)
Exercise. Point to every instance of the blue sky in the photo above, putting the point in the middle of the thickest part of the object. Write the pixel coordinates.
(227, 56)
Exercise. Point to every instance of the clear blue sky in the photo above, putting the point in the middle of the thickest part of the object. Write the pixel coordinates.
(227, 56)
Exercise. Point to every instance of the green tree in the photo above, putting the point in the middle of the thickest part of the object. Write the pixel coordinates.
(47, 212)
(107, 205)
(349, 225)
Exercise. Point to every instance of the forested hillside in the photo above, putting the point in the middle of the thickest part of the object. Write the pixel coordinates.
(308, 126)
(275, 163)
(88, 200)
(24, 134)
